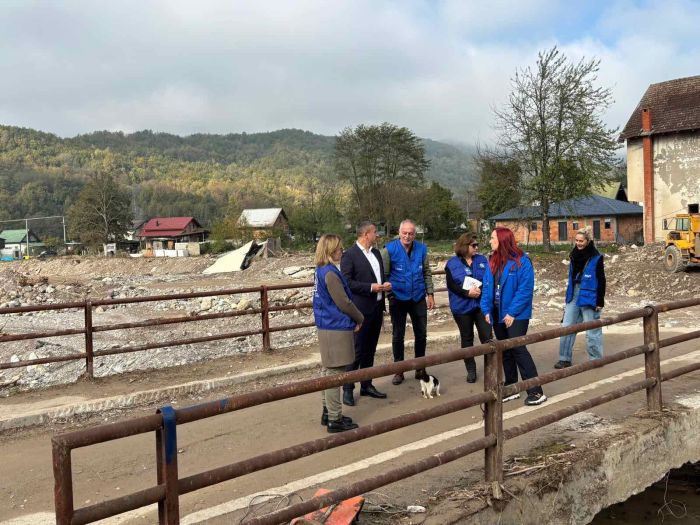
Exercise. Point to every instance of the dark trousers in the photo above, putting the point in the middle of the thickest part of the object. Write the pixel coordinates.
(517, 358)
(366, 345)
(466, 323)
(418, 311)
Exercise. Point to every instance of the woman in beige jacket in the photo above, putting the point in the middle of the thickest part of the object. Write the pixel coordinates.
(336, 319)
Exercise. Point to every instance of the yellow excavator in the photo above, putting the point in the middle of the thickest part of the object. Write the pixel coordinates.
(682, 246)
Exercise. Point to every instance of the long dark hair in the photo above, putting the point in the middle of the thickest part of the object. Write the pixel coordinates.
(507, 250)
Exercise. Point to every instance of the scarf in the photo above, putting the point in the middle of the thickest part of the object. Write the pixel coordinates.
(579, 258)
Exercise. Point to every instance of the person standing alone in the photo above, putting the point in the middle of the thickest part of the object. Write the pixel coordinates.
(363, 269)
(406, 265)
(585, 297)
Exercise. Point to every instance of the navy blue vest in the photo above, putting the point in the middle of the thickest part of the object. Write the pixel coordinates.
(406, 276)
(588, 292)
(326, 314)
(459, 270)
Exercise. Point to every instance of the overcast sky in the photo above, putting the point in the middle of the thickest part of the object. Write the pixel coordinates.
(184, 67)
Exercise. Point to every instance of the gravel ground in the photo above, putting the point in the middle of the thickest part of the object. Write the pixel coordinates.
(635, 278)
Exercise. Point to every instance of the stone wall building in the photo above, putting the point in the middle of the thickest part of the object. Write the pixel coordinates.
(663, 152)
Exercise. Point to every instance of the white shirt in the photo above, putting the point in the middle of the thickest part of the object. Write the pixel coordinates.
(374, 263)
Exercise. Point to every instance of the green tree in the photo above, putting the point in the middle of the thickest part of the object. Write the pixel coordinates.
(496, 175)
(552, 127)
(101, 212)
(377, 161)
(439, 212)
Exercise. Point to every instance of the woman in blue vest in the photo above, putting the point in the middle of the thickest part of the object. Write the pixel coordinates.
(336, 319)
(585, 297)
(506, 301)
(467, 267)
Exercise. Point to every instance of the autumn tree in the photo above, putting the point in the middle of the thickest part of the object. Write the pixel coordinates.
(101, 212)
(384, 165)
(552, 126)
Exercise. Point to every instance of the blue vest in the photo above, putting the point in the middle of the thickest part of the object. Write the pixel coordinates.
(326, 314)
(588, 292)
(406, 275)
(459, 270)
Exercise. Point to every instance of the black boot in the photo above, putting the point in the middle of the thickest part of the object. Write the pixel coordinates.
(341, 425)
(470, 363)
(324, 418)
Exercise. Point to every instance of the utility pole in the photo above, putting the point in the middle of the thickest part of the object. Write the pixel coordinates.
(26, 231)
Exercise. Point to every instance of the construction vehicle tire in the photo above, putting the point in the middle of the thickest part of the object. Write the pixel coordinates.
(673, 260)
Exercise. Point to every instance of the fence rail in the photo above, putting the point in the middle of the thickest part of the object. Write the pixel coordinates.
(89, 328)
(169, 486)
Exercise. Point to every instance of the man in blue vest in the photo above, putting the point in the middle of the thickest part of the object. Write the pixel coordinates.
(406, 265)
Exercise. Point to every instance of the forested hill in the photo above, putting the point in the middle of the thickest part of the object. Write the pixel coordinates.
(203, 175)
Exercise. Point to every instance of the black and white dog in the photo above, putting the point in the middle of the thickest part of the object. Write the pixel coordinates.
(429, 385)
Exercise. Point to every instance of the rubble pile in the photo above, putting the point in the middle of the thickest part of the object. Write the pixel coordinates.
(635, 277)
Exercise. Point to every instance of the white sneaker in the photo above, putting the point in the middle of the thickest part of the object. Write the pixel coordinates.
(511, 397)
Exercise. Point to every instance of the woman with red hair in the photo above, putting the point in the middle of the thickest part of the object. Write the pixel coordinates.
(506, 302)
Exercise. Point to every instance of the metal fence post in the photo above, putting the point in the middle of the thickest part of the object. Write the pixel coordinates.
(652, 359)
(63, 482)
(265, 307)
(166, 467)
(493, 415)
(89, 359)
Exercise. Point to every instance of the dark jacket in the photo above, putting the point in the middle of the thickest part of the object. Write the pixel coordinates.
(359, 275)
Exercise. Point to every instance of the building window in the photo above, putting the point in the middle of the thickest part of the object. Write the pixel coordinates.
(608, 224)
(533, 226)
(574, 225)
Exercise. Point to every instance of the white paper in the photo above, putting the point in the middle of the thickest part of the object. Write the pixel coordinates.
(470, 282)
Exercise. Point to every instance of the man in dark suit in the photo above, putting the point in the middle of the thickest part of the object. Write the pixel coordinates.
(363, 268)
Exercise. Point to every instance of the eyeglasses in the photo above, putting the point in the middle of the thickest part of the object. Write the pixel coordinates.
(474, 245)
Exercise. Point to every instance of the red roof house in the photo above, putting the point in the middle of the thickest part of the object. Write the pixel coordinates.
(177, 229)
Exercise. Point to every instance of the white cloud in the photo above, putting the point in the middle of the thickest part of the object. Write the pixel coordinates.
(232, 66)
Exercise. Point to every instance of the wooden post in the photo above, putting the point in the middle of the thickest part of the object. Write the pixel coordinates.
(493, 415)
(652, 360)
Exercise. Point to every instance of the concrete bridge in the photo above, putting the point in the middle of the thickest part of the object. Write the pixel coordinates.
(561, 473)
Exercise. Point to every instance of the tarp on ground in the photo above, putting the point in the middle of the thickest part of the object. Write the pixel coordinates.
(236, 260)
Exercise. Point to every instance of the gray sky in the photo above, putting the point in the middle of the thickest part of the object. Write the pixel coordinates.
(438, 67)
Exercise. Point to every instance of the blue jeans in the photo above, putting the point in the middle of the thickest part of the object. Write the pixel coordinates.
(574, 314)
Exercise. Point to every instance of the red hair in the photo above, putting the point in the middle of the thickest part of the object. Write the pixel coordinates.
(507, 250)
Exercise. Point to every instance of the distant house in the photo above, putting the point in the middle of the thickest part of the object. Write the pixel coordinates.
(264, 222)
(16, 243)
(612, 220)
(134, 230)
(613, 190)
(163, 232)
(663, 152)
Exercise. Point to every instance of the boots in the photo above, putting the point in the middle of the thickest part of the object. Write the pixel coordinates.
(470, 363)
(341, 425)
(324, 418)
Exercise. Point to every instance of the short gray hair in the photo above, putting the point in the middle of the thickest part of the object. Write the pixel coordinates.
(364, 227)
(407, 221)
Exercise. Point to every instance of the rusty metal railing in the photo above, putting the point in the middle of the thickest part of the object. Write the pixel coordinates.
(164, 423)
(89, 328)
